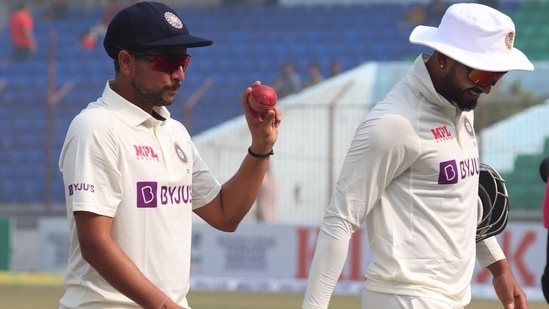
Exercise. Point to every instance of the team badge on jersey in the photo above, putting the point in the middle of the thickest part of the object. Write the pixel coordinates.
(181, 154)
(468, 126)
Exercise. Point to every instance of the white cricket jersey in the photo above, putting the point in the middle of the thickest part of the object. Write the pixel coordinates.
(411, 175)
(119, 161)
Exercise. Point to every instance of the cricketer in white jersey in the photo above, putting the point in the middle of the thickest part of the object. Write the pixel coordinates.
(411, 175)
(420, 208)
(117, 148)
(133, 178)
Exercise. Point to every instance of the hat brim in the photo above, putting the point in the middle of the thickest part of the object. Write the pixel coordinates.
(180, 40)
(514, 60)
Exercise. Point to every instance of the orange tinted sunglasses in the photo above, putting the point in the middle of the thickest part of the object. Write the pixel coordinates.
(484, 78)
(165, 63)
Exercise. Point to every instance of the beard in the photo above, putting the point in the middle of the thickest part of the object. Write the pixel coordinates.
(454, 94)
(461, 103)
(156, 97)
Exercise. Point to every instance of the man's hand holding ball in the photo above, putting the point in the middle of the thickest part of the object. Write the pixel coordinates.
(262, 99)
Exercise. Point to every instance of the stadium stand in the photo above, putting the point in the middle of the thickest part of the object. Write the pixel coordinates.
(524, 183)
(250, 43)
(530, 36)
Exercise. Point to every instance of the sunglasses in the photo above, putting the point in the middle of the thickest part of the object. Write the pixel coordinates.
(484, 78)
(165, 63)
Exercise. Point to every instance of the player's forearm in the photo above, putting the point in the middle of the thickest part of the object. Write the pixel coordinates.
(240, 192)
(489, 251)
(106, 256)
(110, 261)
(328, 261)
(500, 267)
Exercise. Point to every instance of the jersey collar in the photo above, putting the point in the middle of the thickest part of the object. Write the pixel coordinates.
(130, 113)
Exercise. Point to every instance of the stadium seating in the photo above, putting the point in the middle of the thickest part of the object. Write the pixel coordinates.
(251, 42)
(524, 184)
(531, 37)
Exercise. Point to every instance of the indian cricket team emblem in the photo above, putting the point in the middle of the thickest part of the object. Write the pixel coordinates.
(181, 154)
(173, 20)
(468, 126)
(509, 40)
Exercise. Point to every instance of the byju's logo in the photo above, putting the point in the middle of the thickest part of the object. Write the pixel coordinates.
(150, 195)
(450, 172)
(80, 187)
(146, 194)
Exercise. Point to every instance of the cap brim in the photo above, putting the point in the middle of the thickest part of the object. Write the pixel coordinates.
(514, 60)
(180, 40)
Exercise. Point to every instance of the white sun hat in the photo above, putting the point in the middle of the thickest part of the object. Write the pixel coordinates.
(477, 36)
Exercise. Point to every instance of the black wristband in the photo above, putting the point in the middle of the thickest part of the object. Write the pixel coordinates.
(259, 155)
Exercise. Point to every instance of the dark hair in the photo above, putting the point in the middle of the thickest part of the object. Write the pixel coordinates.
(116, 65)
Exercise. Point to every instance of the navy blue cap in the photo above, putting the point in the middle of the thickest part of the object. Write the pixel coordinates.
(148, 24)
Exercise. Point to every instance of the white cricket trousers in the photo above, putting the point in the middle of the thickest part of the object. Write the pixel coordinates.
(394, 301)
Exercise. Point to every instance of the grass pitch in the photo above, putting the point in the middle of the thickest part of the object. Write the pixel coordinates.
(19, 296)
(43, 291)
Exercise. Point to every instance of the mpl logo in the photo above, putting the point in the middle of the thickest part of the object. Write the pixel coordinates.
(441, 133)
(145, 153)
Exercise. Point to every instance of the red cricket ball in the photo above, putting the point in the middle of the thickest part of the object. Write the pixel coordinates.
(262, 99)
